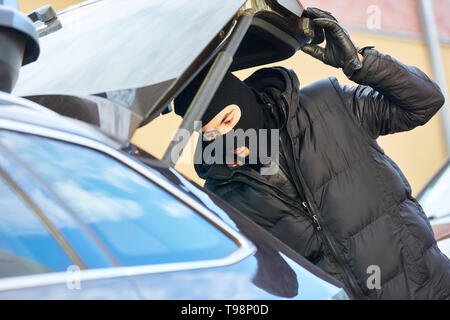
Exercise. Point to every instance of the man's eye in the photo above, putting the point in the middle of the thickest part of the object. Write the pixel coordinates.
(227, 120)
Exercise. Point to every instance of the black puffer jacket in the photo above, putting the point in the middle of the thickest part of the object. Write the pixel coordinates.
(359, 215)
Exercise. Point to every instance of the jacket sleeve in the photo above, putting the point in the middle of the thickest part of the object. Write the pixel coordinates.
(391, 97)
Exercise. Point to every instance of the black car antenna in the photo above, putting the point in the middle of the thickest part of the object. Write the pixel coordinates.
(210, 84)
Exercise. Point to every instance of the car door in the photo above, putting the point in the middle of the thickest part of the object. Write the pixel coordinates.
(36, 262)
(109, 216)
(436, 204)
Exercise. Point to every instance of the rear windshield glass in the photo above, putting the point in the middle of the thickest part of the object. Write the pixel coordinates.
(139, 222)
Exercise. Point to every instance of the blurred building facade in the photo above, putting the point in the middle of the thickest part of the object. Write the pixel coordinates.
(394, 27)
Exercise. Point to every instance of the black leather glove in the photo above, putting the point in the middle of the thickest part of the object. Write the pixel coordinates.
(339, 51)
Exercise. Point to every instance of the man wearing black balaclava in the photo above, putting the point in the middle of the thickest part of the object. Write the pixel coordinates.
(337, 198)
(227, 114)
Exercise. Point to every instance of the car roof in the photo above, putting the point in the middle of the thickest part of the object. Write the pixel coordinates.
(20, 110)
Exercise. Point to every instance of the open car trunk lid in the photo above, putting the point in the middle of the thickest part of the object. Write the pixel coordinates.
(134, 50)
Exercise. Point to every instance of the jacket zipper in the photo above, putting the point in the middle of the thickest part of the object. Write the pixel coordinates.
(341, 263)
(308, 212)
(316, 218)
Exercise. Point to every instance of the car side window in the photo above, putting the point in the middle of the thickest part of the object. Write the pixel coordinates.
(138, 221)
(435, 200)
(26, 245)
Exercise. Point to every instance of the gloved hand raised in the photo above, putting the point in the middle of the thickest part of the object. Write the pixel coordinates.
(339, 51)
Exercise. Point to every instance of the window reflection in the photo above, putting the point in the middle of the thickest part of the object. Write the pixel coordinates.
(26, 246)
(139, 222)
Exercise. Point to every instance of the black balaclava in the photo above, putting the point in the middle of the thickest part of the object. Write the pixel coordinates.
(254, 112)
(231, 91)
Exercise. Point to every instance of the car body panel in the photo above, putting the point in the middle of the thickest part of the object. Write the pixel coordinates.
(102, 289)
(434, 196)
(436, 204)
(444, 246)
(248, 279)
(242, 280)
(441, 231)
